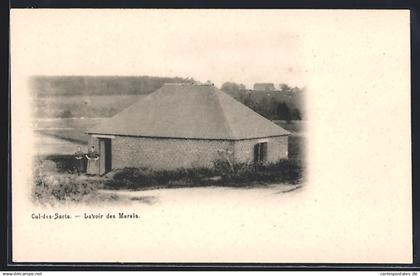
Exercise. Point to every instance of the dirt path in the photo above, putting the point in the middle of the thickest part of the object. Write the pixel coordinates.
(166, 196)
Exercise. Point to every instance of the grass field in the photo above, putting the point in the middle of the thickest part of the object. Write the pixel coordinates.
(69, 129)
(82, 106)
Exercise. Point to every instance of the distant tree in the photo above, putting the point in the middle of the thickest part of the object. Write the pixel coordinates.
(284, 87)
(296, 89)
(296, 114)
(66, 114)
(232, 87)
(264, 108)
(283, 112)
(249, 102)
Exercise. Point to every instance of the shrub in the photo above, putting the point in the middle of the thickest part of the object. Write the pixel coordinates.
(132, 178)
(49, 189)
(223, 173)
(140, 178)
(285, 170)
(66, 114)
(64, 163)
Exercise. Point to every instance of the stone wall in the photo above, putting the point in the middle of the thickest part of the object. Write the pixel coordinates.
(167, 154)
(277, 148)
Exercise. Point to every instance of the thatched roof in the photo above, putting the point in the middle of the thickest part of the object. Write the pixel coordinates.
(189, 111)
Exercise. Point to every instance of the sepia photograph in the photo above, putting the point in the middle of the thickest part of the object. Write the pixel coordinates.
(192, 135)
(111, 138)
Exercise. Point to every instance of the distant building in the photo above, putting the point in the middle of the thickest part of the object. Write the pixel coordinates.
(264, 86)
(184, 126)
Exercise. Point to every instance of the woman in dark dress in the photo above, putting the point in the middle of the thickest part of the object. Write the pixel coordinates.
(93, 162)
(79, 155)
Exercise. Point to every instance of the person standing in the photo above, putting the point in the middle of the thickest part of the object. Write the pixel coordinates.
(93, 162)
(79, 155)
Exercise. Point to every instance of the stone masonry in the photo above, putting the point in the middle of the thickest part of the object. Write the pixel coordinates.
(170, 153)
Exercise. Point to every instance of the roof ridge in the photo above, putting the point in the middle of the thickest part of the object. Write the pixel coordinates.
(225, 118)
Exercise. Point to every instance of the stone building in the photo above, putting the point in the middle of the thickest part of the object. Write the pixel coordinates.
(264, 86)
(184, 126)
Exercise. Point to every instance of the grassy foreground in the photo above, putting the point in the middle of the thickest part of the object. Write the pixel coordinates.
(53, 184)
(55, 181)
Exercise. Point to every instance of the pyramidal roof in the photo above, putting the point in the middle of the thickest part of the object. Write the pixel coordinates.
(189, 111)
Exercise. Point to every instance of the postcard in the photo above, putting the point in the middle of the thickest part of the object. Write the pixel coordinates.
(211, 136)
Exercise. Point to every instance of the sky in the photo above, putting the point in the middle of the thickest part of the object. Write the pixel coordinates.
(217, 45)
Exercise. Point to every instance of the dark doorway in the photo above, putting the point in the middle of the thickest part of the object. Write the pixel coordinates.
(105, 161)
(260, 152)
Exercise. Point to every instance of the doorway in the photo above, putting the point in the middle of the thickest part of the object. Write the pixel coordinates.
(260, 152)
(105, 155)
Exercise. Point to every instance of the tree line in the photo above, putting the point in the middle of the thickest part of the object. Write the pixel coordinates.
(286, 103)
(45, 86)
